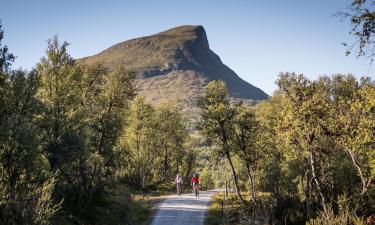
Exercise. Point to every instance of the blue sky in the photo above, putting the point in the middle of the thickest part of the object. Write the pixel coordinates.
(258, 39)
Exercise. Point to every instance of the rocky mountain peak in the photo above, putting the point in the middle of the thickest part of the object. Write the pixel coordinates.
(175, 65)
(195, 34)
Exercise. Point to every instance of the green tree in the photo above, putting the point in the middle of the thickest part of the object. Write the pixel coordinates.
(62, 106)
(352, 127)
(217, 123)
(138, 139)
(25, 183)
(6, 58)
(307, 124)
(82, 119)
(171, 135)
(107, 113)
(363, 145)
(245, 138)
(273, 161)
(362, 18)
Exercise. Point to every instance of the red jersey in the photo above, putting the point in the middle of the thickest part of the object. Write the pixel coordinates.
(195, 180)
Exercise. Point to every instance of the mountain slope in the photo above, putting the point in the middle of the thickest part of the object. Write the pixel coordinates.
(175, 65)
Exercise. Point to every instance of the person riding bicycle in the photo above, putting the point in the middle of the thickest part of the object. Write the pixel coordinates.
(195, 183)
(179, 183)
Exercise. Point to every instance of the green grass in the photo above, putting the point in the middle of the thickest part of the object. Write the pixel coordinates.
(215, 214)
(118, 206)
(140, 212)
(231, 211)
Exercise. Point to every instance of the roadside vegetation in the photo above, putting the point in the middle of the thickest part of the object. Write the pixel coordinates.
(79, 146)
(310, 147)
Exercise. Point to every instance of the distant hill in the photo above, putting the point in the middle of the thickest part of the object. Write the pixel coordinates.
(175, 65)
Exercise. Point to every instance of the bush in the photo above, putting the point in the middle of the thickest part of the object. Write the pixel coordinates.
(344, 215)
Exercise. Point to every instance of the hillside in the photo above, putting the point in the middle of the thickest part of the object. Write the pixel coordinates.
(175, 65)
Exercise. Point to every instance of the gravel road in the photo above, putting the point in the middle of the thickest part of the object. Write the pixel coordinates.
(185, 209)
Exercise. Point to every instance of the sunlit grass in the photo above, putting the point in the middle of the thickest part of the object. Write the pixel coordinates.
(229, 210)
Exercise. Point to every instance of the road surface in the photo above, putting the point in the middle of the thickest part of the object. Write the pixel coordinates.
(185, 209)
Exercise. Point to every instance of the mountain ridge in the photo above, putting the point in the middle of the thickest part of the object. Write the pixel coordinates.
(175, 65)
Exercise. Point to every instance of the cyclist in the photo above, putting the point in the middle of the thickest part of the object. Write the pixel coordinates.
(179, 183)
(195, 183)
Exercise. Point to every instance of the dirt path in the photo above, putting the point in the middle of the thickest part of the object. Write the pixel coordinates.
(185, 209)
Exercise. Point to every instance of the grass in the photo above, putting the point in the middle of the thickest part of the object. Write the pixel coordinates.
(225, 211)
(140, 211)
(215, 214)
(119, 205)
(112, 207)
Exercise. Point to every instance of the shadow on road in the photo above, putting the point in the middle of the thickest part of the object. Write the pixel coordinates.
(184, 209)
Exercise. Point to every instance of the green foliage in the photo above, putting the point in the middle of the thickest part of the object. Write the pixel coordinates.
(217, 124)
(205, 177)
(72, 137)
(69, 139)
(246, 130)
(313, 126)
(362, 18)
(25, 183)
(81, 124)
(308, 145)
(155, 144)
(138, 143)
(216, 114)
(343, 216)
(6, 58)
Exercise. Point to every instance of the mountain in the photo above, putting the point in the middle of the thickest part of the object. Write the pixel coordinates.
(175, 65)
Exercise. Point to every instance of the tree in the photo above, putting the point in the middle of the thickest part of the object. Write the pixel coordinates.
(353, 106)
(217, 123)
(306, 124)
(62, 106)
(270, 145)
(362, 18)
(138, 140)
(82, 119)
(363, 145)
(154, 144)
(6, 58)
(25, 182)
(171, 134)
(245, 132)
(107, 114)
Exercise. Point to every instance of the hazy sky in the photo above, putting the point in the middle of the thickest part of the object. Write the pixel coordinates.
(258, 39)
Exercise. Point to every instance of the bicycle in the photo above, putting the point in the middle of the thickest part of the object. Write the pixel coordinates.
(196, 189)
(179, 188)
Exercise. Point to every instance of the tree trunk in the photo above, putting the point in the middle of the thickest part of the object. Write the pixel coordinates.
(227, 153)
(317, 182)
(144, 181)
(235, 178)
(251, 176)
(188, 169)
(252, 182)
(365, 183)
(165, 165)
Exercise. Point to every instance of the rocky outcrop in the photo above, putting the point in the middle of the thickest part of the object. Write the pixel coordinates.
(175, 65)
